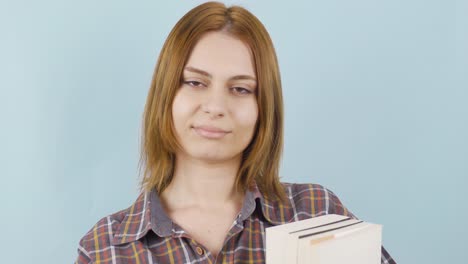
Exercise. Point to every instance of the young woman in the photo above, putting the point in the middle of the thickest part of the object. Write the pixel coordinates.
(212, 141)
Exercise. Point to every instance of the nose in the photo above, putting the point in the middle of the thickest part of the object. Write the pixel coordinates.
(215, 103)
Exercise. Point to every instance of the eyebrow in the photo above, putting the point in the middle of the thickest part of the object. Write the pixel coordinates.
(204, 73)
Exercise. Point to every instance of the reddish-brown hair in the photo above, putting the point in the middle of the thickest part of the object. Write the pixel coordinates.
(261, 159)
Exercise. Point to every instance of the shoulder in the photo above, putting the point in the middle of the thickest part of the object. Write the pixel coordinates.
(112, 230)
(100, 236)
(304, 200)
(314, 198)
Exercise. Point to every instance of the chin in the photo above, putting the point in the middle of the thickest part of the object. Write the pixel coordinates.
(212, 156)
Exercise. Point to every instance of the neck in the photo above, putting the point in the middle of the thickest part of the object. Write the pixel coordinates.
(203, 184)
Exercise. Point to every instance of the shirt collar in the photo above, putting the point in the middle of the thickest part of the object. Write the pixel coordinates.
(160, 221)
(147, 214)
(272, 210)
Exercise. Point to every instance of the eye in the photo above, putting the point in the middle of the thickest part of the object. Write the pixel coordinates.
(194, 83)
(240, 90)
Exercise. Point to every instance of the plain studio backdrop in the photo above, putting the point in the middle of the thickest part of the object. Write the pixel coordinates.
(376, 99)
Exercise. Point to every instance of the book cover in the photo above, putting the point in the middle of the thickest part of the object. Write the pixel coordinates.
(328, 239)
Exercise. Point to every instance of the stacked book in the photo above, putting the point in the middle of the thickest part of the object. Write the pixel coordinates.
(328, 239)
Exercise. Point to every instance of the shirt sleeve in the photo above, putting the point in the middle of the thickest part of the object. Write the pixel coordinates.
(336, 207)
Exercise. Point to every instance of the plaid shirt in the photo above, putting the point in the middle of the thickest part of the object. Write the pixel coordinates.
(144, 233)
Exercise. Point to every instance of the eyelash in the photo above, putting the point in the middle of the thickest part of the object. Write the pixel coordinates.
(236, 89)
(244, 91)
(193, 83)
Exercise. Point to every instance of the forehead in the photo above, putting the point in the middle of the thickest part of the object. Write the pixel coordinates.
(222, 54)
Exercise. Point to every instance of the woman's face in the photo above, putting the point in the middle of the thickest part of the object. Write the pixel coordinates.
(215, 109)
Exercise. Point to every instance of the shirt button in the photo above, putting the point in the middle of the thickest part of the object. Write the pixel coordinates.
(200, 251)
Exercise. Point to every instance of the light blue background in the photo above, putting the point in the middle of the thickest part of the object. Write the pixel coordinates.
(376, 97)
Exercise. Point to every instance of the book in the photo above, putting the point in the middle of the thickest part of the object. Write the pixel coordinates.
(327, 239)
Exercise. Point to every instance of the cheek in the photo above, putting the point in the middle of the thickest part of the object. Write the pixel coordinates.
(247, 115)
(180, 109)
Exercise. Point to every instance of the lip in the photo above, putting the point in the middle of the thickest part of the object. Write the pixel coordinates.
(210, 132)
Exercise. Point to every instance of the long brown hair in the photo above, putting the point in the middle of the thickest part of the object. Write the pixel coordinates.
(261, 158)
